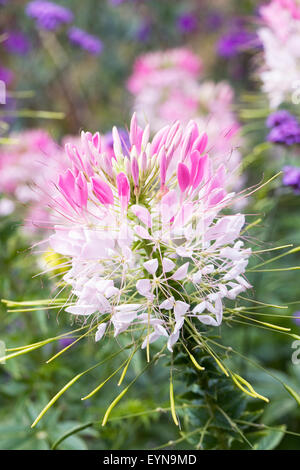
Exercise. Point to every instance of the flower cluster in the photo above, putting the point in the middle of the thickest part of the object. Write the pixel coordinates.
(235, 41)
(17, 43)
(85, 41)
(291, 177)
(280, 36)
(48, 15)
(148, 246)
(165, 87)
(6, 75)
(164, 69)
(285, 128)
(187, 22)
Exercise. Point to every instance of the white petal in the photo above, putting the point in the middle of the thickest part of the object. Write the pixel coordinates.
(167, 304)
(142, 232)
(100, 331)
(200, 307)
(168, 265)
(111, 291)
(181, 272)
(127, 307)
(143, 214)
(151, 266)
(184, 252)
(143, 286)
(180, 309)
(81, 309)
(103, 284)
(197, 277)
(208, 269)
(207, 320)
(243, 282)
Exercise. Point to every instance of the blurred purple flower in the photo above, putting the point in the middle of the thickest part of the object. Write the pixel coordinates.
(187, 22)
(124, 137)
(214, 21)
(233, 42)
(6, 75)
(285, 129)
(287, 133)
(64, 342)
(48, 15)
(291, 177)
(297, 318)
(17, 43)
(279, 117)
(119, 2)
(85, 41)
(144, 31)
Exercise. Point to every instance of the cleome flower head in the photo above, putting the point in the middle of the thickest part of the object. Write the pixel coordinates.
(143, 228)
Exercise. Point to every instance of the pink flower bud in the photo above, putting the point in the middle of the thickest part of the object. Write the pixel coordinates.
(135, 171)
(201, 143)
(123, 187)
(183, 176)
(163, 168)
(102, 191)
(200, 170)
(74, 189)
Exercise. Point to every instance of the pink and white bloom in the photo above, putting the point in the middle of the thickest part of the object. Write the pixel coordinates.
(280, 37)
(149, 249)
(165, 90)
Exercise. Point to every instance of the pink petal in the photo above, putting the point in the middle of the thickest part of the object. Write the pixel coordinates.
(163, 168)
(201, 143)
(143, 214)
(201, 170)
(169, 205)
(142, 232)
(102, 191)
(183, 176)
(159, 139)
(135, 171)
(133, 129)
(184, 215)
(123, 187)
(97, 141)
(186, 146)
(81, 188)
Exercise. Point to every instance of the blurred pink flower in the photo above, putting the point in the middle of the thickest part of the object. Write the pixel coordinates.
(280, 37)
(164, 92)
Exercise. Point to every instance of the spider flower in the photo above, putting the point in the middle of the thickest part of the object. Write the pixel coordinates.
(148, 245)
